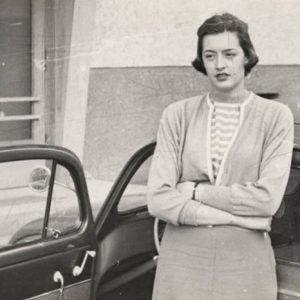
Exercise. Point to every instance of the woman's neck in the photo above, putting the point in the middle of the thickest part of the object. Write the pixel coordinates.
(229, 97)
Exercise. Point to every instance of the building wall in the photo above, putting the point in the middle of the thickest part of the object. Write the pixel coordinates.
(141, 62)
(58, 30)
(163, 32)
(78, 71)
(125, 105)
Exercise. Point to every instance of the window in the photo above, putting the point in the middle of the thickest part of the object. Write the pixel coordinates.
(135, 195)
(64, 213)
(15, 69)
(34, 194)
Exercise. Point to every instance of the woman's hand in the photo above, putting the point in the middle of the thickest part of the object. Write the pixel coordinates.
(186, 189)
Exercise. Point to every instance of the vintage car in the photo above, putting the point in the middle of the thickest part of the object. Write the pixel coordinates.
(58, 243)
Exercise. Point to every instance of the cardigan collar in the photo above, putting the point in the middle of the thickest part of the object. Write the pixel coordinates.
(242, 105)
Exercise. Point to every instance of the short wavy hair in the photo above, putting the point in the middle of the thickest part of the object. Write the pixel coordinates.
(220, 23)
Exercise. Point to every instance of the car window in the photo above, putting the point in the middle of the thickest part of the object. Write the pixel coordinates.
(20, 202)
(64, 212)
(134, 195)
(25, 188)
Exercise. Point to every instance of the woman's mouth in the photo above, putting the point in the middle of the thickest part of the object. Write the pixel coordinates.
(222, 76)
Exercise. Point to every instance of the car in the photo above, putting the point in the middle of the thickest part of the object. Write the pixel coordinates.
(57, 243)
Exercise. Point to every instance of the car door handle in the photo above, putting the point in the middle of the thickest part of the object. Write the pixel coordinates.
(58, 277)
(77, 270)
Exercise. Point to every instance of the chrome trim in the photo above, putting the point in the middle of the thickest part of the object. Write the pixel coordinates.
(58, 277)
(77, 270)
(284, 261)
(57, 290)
(289, 293)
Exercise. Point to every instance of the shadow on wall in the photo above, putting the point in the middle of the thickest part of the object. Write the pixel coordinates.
(125, 104)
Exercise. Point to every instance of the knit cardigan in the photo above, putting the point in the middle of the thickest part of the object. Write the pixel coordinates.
(254, 171)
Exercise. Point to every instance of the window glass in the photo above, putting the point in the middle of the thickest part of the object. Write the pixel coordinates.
(25, 187)
(22, 205)
(135, 194)
(285, 232)
(64, 213)
(15, 66)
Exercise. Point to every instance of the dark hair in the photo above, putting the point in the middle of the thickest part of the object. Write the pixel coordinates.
(221, 23)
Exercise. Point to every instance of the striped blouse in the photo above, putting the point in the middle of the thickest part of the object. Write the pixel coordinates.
(225, 122)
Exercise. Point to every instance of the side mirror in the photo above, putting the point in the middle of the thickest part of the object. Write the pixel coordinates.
(39, 178)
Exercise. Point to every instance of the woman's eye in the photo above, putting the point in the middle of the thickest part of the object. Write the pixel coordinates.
(209, 57)
(230, 54)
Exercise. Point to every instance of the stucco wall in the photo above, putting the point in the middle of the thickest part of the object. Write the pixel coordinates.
(125, 104)
(76, 87)
(141, 62)
(163, 32)
(59, 18)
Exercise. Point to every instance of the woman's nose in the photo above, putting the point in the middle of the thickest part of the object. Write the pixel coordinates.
(220, 62)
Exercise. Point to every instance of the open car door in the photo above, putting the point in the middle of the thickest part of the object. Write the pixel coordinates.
(125, 232)
(48, 246)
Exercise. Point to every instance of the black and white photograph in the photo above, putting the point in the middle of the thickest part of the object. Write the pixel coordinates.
(149, 150)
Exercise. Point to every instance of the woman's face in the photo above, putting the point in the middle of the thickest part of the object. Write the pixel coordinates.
(224, 61)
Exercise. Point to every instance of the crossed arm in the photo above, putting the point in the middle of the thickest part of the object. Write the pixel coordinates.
(196, 213)
(249, 205)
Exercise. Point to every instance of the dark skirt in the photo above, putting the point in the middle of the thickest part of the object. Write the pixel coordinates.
(217, 263)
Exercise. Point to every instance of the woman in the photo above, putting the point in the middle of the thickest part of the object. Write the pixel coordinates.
(218, 175)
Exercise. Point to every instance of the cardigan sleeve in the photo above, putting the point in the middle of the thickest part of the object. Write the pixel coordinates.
(263, 197)
(163, 200)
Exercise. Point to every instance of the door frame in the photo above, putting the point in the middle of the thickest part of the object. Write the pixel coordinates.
(44, 257)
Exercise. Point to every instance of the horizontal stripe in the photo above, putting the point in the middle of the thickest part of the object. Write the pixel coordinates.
(221, 138)
(219, 143)
(226, 109)
(224, 124)
(218, 130)
(217, 155)
(233, 112)
(223, 127)
(226, 105)
(227, 114)
(225, 121)
(219, 148)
